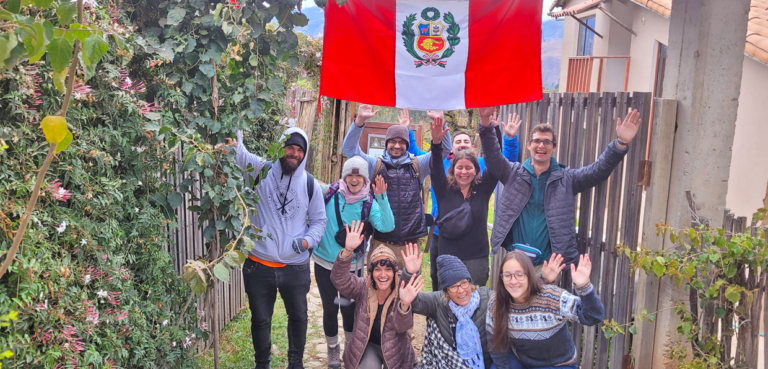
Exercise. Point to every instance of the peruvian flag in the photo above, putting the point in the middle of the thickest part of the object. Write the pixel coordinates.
(432, 54)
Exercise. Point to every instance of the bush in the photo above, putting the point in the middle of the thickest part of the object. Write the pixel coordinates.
(92, 284)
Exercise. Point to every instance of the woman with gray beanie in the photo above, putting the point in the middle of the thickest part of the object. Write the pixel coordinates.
(456, 337)
(347, 200)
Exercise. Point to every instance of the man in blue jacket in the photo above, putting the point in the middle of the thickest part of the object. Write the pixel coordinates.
(461, 141)
(404, 174)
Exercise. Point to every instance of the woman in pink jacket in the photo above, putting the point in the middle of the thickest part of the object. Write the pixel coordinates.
(383, 312)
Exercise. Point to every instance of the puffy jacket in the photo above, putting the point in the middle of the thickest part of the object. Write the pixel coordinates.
(395, 343)
(559, 196)
(405, 200)
(435, 305)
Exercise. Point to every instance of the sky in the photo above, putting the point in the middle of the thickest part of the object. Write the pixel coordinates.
(547, 3)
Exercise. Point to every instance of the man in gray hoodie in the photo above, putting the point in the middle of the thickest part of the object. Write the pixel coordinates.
(292, 221)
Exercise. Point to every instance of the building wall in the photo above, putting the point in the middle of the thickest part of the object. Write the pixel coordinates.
(650, 28)
(749, 163)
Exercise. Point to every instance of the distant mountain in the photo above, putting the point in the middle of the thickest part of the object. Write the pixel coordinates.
(551, 53)
(551, 44)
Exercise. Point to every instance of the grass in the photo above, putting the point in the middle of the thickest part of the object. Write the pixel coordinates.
(236, 348)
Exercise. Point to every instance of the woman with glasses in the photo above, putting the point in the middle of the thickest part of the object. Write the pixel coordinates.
(462, 199)
(526, 321)
(455, 337)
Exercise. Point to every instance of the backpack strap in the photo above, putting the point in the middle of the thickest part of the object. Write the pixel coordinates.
(310, 186)
(415, 163)
(332, 189)
(264, 170)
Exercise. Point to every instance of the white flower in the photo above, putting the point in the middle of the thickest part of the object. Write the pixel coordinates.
(77, 95)
(101, 293)
(139, 183)
(83, 241)
(87, 278)
(62, 227)
(139, 149)
(165, 322)
(136, 209)
(174, 343)
(318, 55)
(37, 221)
(197, 13)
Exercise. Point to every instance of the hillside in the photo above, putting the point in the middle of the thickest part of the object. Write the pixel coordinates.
(551, 44)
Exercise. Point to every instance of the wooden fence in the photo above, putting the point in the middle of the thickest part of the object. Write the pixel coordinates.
(608, 214)
(187, 243)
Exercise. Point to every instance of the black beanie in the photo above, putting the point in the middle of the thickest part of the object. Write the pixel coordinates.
(296, 139)
(450, 270)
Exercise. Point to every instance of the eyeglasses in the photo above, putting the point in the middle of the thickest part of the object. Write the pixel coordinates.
(463, 285)
(537, 142)
(519, 275)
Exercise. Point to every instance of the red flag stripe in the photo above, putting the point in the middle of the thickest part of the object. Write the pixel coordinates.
(511, 72)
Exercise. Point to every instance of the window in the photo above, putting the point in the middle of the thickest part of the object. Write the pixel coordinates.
(586, 38)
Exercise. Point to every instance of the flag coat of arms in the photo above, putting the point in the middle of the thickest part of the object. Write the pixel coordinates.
(433, 54)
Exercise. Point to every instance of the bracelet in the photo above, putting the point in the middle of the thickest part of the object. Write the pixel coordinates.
(621, 143)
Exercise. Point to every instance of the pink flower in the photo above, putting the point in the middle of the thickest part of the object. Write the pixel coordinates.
(58, 192)
(114, 298)
(146, 108)
(127, 85)
(91, 314)
(79, 90)
(123, 314)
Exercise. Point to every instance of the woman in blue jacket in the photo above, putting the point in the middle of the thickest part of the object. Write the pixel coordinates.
(346, 200)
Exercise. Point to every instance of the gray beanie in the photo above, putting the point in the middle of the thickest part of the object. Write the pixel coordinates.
(450, 270)
(397, 131)
(355, 165)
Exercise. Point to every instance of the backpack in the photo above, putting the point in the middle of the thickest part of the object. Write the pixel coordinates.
(310, 180)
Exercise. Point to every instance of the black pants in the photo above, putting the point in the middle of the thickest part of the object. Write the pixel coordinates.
(328, 292)
(433, 262)
(261, 285)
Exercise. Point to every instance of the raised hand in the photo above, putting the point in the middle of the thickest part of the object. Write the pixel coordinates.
(626, 130)
(437, 130)
(486, 114)
(580, 274)
(408, 292)
(512, 125)
(412, 258)
(432, 114)
(551, 270)
(354, 235)
(405, 118)
(379, 186)
(364, 112)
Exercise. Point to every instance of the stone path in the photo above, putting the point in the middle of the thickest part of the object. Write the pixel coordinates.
(315, 352)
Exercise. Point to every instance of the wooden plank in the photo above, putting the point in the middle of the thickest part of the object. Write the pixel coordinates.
(624, 279)
(602, 269)
(656, 197)
(555, 104)
(565, 128)
(588, 143)
(543, 109)
(575, 148)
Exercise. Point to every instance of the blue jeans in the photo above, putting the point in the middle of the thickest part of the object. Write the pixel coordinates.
(514, 363)
(261, 285)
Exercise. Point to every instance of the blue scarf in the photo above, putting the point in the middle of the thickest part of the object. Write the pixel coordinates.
(467, 336)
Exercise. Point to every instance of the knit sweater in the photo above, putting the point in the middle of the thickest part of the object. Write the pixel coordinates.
(538, 331)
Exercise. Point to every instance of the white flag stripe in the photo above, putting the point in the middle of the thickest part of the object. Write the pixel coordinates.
(431, 86)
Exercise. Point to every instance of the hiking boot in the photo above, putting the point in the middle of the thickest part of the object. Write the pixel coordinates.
(334, 357)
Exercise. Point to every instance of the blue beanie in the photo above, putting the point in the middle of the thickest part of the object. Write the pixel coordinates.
(450, 270)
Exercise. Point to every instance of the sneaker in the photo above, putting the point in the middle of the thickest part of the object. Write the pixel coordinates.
(334, 357)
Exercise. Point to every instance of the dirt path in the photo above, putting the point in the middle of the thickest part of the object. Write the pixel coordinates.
(315, 352)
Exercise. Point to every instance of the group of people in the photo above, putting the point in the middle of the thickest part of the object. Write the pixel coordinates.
(377, 284)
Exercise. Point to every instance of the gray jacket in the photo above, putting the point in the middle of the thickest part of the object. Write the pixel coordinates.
(435, 305)
(559, 196)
